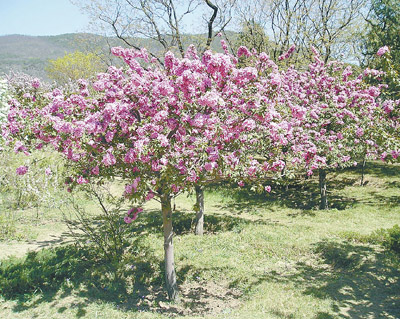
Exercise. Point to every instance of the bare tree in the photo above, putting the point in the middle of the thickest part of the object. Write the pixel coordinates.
(164, 22)
(332, 26)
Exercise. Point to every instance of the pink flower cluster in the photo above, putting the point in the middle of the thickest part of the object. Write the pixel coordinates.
(382, 50)
(22, 170)
(287, 54)
(132, 214)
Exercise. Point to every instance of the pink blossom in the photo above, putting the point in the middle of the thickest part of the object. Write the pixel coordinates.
(249, 124)
(130, 156)
(35, 83)
(388, 106)
(382, 50)
(268, 188)
(149, 195)
(163, 140)
(109, 159)
(132, 214)
(275, 79)
(132, 187)
(128, 219)
(208, 166)
(243, 51)
(96, 170)
(288, 53)
(359, 131)
(82, 180)
(109, 136)
(19, 146)
(22, 170)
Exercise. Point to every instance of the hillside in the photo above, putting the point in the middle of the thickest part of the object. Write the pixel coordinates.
(30, 54)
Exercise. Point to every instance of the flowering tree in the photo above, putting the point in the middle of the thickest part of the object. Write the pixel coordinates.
(163, 130)
(337, 118)
(27, 181)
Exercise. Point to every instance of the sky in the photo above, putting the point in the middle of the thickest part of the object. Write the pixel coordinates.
(41, 17)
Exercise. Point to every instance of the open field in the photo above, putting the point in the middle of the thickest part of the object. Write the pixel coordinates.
(262, 256)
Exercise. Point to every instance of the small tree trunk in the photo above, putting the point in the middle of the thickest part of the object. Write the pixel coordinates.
(322, 189)
(362, 172)
(200, 210)
(170, 275)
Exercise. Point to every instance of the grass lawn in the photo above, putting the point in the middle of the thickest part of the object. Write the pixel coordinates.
(262, 256)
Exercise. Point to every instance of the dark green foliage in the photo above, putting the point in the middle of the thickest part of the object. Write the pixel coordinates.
(384, 25)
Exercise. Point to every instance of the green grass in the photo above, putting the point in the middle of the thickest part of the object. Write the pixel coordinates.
(262, 256)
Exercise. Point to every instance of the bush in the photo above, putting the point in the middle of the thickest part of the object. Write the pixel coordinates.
(391, 239)
(102, 229)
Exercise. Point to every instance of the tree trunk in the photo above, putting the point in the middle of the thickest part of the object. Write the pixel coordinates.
(322, 189)
(200, 210)
(170, 275)
(362, 172)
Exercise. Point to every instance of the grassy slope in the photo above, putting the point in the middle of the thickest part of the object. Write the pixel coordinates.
(269, 256)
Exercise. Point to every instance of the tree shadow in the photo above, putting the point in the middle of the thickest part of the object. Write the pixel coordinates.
(362, 281)
(300, 194)
(381, 169)
(303, 193)
(150, 221)
(134, 285)
(389, 201)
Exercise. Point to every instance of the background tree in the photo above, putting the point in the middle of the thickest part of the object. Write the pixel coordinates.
(164, 22)
(74, 66)
(332, 26)
(384, 32)
(253, 36)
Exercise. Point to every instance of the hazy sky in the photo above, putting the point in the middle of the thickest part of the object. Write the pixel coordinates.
(40, 17)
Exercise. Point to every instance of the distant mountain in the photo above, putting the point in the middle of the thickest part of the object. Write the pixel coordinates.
(31, 54)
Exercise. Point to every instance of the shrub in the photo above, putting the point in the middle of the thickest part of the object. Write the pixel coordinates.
(391, 239)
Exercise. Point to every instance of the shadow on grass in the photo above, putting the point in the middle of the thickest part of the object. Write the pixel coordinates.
(361, 281)
(389, 201)
(303, 195)
(184, 222)
(133, 283)
(381, 169)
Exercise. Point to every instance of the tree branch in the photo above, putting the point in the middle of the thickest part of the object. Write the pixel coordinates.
(210, 22)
